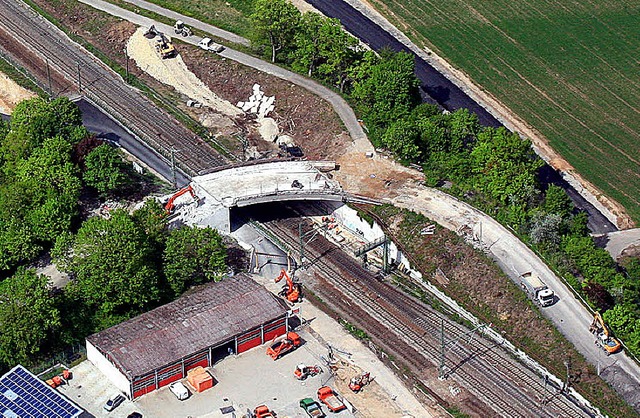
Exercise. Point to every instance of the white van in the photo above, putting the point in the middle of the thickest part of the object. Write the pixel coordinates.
(180, 390)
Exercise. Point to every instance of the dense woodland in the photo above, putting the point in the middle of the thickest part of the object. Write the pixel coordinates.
(51, 168)
(493, 169)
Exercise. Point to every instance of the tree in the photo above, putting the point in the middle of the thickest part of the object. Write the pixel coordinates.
(505, 166)
(623, 319)
(557, 201)
(385, 89)
(546, 229)
(308, 40)
(275, 23)
(37, 119)
(104, 170)
(28, 315)
(193, 256)
(599, 296)
(112, 262)
(402, 138)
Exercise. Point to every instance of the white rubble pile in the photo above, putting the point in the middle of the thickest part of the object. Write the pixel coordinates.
(258, 103)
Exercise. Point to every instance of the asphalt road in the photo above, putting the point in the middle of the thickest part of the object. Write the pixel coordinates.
(435, 87)
(96, 121)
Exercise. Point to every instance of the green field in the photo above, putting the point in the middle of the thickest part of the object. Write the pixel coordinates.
(570, 69)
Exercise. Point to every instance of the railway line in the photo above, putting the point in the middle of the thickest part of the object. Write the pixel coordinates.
(412, 330)
(102, 85)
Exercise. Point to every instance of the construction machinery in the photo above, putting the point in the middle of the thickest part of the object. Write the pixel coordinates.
(604, 340)
(537, 289)
(151, 33)
(291, 291)
(263, 411)
(312, 408)
(164, 47)
(327, 396)
(303, 371)
(283, 344)
(181, 29)
(170, 206)
(357, 383)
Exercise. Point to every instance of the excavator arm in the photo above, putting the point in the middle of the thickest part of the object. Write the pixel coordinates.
(170, 206)
(293, 290)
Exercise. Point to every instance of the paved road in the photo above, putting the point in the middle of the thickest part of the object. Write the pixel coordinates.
(443, 91)
(618, 241)
(340, 106)
(32, 40)
(96, 121)
(569, 316)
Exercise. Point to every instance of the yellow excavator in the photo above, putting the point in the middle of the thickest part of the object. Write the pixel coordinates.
(604, 340)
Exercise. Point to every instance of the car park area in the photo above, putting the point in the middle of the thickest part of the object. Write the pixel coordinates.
(253, 378)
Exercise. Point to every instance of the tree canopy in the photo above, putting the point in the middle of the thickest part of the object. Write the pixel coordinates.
(105, 170)
(111, 260)
(275, 23)
(193, 256)
(28, 315)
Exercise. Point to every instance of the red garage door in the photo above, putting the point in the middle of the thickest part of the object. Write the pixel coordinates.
(275, 328)
(249, 340)
(169, 374)
(143, 385)
(200, 359)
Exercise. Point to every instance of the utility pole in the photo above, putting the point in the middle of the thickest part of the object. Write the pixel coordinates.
(126, 59)
(565, 385)
(79, 81)
(173, 167)
(49, 78)
(441, 374)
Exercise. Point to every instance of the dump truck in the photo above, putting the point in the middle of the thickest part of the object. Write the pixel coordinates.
(283, 344)
(536, 289)
(312, 408)
(327, 396)
(263, 411)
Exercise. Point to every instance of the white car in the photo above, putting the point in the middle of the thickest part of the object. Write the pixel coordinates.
(208, 45)
(180, 390)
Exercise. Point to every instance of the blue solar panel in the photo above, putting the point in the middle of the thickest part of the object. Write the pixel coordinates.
(23, 395)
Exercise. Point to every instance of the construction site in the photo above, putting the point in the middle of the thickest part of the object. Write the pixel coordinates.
(331, 316)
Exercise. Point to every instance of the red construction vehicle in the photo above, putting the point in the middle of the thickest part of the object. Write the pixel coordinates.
(283, 344)
(170, 206)
(327, 396)
(303, 371)
(292, 291)
(263, 411)
(357, 383)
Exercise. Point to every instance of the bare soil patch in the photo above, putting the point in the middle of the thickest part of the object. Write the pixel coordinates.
(11, 94)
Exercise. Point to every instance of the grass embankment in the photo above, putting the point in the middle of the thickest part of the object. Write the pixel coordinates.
(478, 284)
(570, 72)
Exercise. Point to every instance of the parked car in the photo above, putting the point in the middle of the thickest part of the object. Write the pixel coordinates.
(134, 415)
(113, 402)
(180, 390)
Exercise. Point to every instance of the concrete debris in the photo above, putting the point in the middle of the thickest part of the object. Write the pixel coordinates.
(258, 103)
(285, 140)
(268, 129)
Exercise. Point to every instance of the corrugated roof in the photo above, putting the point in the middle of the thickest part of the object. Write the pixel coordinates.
(206, 316)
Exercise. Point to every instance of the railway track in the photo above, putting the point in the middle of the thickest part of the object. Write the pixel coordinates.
(102, 85)
(479, 365)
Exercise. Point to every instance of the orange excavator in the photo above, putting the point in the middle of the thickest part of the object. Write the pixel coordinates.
(292, 291)
(603, 339)
(170, 206)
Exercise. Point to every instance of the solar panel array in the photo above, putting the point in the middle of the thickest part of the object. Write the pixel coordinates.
(23, 395)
